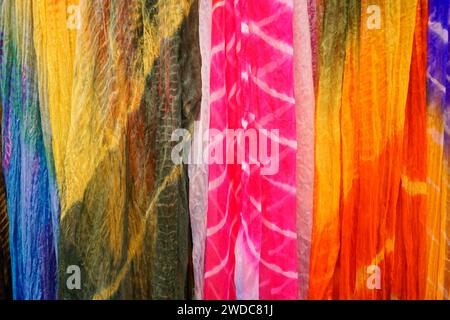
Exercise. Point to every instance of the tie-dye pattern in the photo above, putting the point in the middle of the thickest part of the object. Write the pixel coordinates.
(305, 110)
(360, 120)
(125, 219)
(32, 207)
(92, 93)
(408, 277)
(251, 235)
(438, 271)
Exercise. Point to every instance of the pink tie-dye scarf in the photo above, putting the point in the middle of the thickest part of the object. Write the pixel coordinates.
(251, 246)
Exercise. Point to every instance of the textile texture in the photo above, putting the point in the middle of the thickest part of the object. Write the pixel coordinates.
(125, 219)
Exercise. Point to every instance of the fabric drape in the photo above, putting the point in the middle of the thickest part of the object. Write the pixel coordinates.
(365, 58)
(408, 276)
(55, 25)
(251, 235)
(438, 275)
(198, 169)
(305, 111)
(32, 207)
(5, 259)
(125, 219)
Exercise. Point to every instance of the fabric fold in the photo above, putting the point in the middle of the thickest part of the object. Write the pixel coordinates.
(198, 169)
(305, 111)
(366, 50)
(5, 259)
(125, 219)
(438, 274)
(31, 202)
(251, 223)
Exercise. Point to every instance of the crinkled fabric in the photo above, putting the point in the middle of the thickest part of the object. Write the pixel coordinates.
(364, 72)
(125, 219)
(438, 108)
(55, 25)
(198, 169)
(409, 278)
(5, 259)
(31, 202)
(305, 111)
(251, 237)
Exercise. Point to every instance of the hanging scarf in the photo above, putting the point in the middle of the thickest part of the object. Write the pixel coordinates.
(198, 170)
(32, 207)
(366, 49)
(5, 259)
(409, 277)
(124, 219)
(251, 236)
(305, 111)
(55, 25)
(438, 267)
